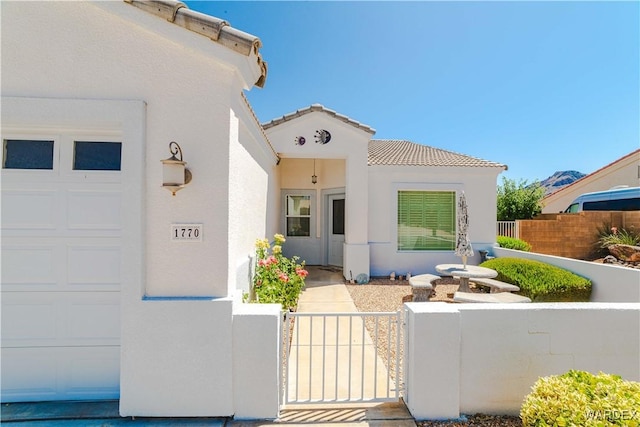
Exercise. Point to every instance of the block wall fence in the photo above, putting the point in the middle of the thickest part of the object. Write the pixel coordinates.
(573, 235)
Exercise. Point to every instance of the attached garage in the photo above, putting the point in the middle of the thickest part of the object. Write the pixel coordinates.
(63, 220)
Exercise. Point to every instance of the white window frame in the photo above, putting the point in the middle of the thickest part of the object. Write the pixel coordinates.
(312, 214)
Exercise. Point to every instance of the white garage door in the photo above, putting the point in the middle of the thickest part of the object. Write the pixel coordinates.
(61, 266)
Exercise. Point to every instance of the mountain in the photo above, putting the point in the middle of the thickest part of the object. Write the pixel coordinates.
(559, 180)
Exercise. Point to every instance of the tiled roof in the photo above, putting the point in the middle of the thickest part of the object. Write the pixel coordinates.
(392, 152)
(318, 107)
(216, 29)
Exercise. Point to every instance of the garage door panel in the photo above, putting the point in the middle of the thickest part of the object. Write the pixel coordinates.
(62, 373)
(94, 210)
(66, 264)
(60, 319)
(93, 371)
(94, 265)
(25, 209)
(93, 322)
(30, 265)
(28, 374)
(28, 322)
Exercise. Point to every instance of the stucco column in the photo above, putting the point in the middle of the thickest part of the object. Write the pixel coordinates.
(432, 350)
(256, 361)
(356, 246)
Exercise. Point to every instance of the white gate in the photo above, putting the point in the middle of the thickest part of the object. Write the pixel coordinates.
(342, 357)
(508, 229)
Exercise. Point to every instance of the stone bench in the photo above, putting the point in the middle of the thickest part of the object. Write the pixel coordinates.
(501, 297)
(422, 286)
(496, 285)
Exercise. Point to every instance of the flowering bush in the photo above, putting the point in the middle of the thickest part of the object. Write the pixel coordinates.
(278, 279)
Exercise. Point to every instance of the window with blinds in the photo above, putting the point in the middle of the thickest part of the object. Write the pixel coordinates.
(426, 220)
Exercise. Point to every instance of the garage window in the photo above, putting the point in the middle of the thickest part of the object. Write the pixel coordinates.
(27, 154)
(102, 156)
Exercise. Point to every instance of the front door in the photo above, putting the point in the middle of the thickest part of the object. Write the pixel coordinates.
(335, 229)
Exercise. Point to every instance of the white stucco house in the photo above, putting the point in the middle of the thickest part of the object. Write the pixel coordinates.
(100, 298)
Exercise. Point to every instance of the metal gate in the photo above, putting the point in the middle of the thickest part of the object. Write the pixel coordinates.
(342, 357)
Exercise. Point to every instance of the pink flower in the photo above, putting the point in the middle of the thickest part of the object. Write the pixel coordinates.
(262, 262)
(272, 260)
(301, 272)
(283, 277)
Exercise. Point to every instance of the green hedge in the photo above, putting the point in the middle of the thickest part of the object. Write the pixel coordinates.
(540, 281)
(579, 398)
(513, 243)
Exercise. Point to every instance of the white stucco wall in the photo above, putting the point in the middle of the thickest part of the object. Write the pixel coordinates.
(176, 345)
(252, 172)
(257, 338)
(479, 186)
(625, 171)
(505, 348)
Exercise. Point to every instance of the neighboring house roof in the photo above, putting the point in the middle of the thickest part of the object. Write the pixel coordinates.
(585, 178)
(393, 152)
(216, 29)
(321, 108)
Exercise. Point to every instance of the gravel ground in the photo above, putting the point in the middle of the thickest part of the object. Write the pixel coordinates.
(383, 295)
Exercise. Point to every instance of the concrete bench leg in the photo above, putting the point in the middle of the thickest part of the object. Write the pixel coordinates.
(422, 293)
(421, 286)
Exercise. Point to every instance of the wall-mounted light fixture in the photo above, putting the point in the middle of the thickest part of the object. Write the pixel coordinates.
(314, 177)
(175, 175)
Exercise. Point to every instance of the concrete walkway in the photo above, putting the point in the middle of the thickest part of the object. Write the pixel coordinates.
(324, 292)
(333, 358)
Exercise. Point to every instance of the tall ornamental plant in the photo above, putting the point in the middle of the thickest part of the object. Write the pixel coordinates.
(278, 279)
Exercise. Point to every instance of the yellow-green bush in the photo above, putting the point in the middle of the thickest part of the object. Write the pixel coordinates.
(579, 398)
(513, 243)
(540, 281)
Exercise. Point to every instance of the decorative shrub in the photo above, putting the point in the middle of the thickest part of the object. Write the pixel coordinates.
(619, 237)
(513, 243)
(278, 279)
(540, 281)
(579, 398)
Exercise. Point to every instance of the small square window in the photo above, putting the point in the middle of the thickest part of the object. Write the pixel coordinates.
(27, 154)
(97, 156)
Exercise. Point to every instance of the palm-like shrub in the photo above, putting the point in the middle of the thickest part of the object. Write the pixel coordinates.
(619, 237)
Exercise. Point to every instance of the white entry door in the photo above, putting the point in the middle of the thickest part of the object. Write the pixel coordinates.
(335, 228)
(61, 267)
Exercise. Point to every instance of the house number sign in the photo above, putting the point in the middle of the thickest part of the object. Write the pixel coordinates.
(186, 232)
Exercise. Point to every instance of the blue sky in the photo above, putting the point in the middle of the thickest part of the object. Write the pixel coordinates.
(540, 86)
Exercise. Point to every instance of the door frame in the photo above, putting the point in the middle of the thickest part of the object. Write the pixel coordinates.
(326, 217)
